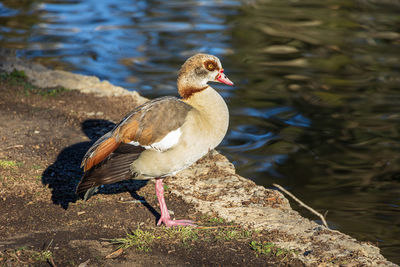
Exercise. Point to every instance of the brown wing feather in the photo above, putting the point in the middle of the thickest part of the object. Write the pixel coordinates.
(152, 121)
(100, 153)
(109, 158)
(145, 125)
(113, 169)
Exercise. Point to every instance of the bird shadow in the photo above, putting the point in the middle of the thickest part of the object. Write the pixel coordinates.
(63, 176)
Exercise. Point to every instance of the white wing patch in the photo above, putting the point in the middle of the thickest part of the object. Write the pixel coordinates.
(136, 144)
(166, 143)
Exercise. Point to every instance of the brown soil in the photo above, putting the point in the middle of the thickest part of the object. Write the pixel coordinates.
(43, 137)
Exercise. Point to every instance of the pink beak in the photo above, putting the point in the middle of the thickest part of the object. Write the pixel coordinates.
(221, 77)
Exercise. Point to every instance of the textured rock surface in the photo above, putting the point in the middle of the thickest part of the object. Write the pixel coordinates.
(43, 77)
(213, 186)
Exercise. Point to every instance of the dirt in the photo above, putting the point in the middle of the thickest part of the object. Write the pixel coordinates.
(44, 134)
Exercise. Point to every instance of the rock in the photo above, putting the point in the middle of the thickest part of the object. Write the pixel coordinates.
(237, 199)
(40, 76)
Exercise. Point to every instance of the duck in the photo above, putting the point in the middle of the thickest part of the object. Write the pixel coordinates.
(163, 136)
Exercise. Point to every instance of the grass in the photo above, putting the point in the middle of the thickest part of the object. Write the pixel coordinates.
(234, 234)
(268, 248)
(18, 77)
(8, 164)
(262, 248)
(140, 239)
(42, 255)
(24, 256)
(36, 167)
(14, 76)
(52, 91)
(187, 237)
(213, 231)
(216, 220)
(143, 239)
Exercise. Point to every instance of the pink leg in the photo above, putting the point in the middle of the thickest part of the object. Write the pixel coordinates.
(165, 218)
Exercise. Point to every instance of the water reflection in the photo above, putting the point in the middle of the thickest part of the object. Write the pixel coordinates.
(316, 104)
(335, 63)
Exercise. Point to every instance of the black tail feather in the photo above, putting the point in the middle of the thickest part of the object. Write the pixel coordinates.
(113, 169)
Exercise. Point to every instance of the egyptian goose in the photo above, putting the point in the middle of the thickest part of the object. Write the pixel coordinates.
(164, 135)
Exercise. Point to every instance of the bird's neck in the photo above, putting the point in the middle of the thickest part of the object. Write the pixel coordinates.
(211, 107)
(188, 86)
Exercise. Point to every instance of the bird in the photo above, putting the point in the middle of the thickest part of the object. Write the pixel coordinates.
(163, 136)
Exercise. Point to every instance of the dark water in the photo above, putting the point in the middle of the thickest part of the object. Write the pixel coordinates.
(316, 106)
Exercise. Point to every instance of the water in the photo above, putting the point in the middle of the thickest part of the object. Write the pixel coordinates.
(316, 102)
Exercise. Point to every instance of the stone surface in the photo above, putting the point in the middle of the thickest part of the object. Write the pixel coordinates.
(214, 188)
(43, 77)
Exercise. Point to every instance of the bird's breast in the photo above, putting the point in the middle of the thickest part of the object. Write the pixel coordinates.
(198, 136)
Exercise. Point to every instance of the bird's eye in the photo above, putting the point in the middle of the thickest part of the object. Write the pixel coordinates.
(210, 65)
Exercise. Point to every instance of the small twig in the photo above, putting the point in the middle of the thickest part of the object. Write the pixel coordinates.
(134, 201)
(326, 213)
(51, 242)
(51, 260)
(18, 259)
(9, 147)
(302, 204)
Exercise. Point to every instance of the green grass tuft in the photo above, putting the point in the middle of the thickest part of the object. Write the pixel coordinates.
(235, 234)
(28, 257)
(269, 248)
(140, 239)
(216, 220)
(7, 164)
(262, 248)
(42, 255)
(187, 235)
(17, 77)
(52, 91)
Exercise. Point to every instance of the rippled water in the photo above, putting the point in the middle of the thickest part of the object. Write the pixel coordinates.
(316, 106)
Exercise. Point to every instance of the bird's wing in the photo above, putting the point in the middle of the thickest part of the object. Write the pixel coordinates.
(153, 125)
